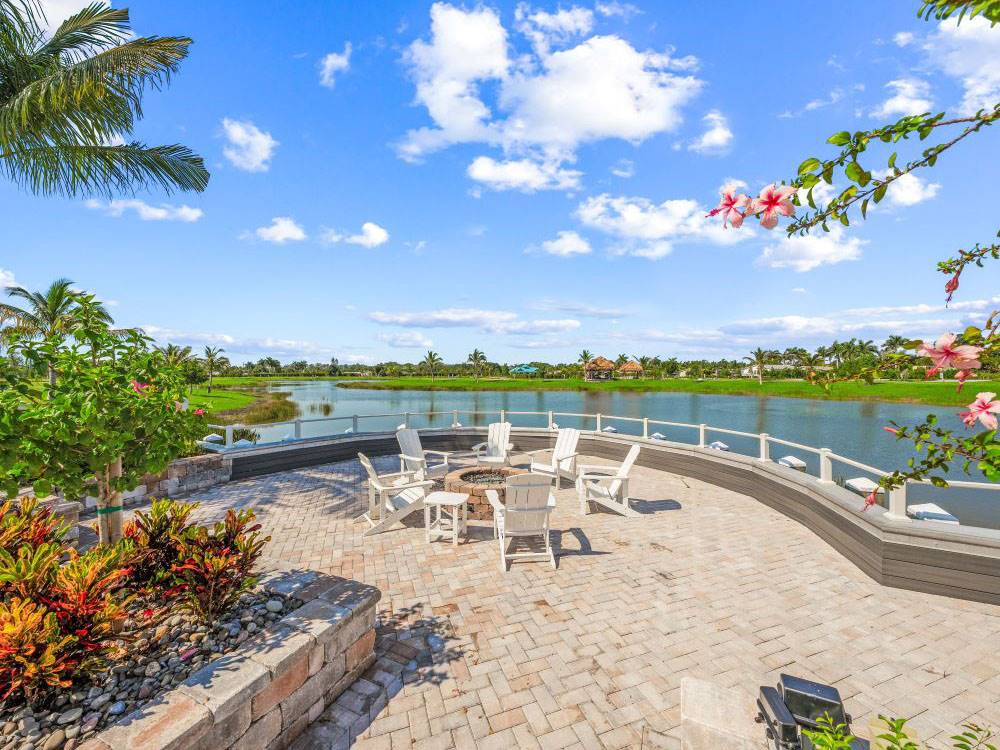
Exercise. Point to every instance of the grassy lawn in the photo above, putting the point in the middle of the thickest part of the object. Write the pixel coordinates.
(246, 405)
(220, 399)
(940, 393)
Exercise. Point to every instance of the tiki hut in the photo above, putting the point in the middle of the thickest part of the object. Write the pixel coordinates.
(599, 368)
(631, 370)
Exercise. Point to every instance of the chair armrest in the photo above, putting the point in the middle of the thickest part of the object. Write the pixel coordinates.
(413, 458)
(593, 469)
(409, 485)
(568, 455)
(494, 499)
(478, 447)
(439, 453)
(540, 450)
(598, 478)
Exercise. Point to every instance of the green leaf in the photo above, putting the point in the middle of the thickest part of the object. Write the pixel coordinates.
(879, 193)
(839, 139)
(972, 333)
(808, 165)
(844, 220)
(864, 208)
(853, 171)
(892, 161)
(828, 174)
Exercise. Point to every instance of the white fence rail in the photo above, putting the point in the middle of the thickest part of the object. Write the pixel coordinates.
(601, 422)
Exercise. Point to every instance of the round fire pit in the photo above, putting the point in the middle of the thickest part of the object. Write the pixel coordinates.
(474, 481)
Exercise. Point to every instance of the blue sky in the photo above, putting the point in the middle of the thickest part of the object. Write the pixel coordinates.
(530, 180)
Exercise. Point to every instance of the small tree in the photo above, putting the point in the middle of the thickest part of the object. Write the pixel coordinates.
(113, 415)
(432, 361)
(478, 360)
(213, 359)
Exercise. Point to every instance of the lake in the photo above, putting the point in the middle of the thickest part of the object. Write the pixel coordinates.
(851, 428)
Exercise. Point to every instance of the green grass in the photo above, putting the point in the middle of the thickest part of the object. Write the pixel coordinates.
(938, 393)
(228, 405)
(220, 399)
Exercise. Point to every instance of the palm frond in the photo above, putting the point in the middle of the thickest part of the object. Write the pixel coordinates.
(95, 26)
(76, 170)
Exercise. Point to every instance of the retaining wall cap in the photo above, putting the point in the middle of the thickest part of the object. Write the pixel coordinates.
(226, 684)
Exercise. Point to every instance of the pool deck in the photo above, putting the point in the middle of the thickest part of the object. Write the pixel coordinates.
(706, 584)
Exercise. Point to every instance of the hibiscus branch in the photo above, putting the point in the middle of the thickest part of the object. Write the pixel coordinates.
(812, 171)
(954, 266)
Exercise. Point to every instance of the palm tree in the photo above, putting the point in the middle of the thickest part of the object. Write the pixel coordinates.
(621, 359)
(431, 361)
(212, 360)
(893, 344)
(585, 357)
(759, 357)
(810, 362)
(48, 313)
(477, 359)
(175, 355)
(68, 101)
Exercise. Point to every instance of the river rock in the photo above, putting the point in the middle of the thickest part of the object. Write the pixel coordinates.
(55, 740)
(68, 717)
(274, 605)
(152, 669)
(26, 725)
(117, 708)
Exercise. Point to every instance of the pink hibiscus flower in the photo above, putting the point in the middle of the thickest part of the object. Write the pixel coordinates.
(951, 286)
(870, 499)
(139, 387)
(944, 353)
(984, 409)
(773, 201)
(199, 412)
(729, 206)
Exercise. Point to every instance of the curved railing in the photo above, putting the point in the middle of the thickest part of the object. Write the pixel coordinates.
(821, 466)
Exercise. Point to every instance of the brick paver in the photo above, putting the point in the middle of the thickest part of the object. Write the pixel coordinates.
(707, 583)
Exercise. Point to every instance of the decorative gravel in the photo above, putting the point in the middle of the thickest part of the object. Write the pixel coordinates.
(160, 654)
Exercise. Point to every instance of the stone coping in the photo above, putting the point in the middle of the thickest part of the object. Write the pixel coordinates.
(264, 694)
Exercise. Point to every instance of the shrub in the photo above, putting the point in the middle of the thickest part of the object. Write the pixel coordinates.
(218, 565)
(30, 570)
(154, 541)
(33, 654)
(28, 525)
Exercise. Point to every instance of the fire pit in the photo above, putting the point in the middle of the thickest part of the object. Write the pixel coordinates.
(474, 482)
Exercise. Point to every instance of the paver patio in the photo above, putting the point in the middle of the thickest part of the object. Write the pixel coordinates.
(707, 583)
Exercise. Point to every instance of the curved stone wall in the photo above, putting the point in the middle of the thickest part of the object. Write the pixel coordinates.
(956, 561)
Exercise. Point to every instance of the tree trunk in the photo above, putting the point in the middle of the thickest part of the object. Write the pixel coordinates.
(209, 381)
(760, 375)
(109, 509)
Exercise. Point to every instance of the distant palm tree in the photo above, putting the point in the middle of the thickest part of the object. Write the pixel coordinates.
(759, 357)
(621, 359)
(48, 313)
(893, 344)
(212, 360)
(68, 100)
(175, 355)
(478, 360)
(432, 361)
(585, 357)
(810, 362)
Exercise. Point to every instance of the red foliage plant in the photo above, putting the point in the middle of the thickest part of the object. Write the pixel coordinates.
(33, 653)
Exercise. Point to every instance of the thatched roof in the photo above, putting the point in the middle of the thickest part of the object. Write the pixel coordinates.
(631, 366)
(600, 363)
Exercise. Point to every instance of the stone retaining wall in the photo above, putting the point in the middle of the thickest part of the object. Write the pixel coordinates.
(182, 477)
(262, 696)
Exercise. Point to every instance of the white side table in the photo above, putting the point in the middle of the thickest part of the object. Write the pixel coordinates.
(455, 505)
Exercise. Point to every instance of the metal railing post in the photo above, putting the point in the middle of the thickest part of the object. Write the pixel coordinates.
(406, 420)
(454, 418)
(503, 415)
(354, 424)
(645, 427)
(701, 435)
(825, 466)
(298, 429)
(897, 504)
(551, 420)
(765, 453)
(229, 435)
(598, 423)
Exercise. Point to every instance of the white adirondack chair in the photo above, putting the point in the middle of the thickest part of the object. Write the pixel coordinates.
(607, 485)
(562, 463)
(496, 450)
(391, 497)
(528, 502)
(413, 457)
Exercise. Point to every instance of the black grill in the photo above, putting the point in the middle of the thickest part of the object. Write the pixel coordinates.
(796, 704)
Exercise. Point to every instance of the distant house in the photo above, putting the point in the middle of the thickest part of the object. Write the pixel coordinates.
(630, 370)
(599, 368)
(523, 370)
(751, 370)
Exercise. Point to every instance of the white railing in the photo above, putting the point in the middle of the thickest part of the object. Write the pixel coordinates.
(827, 458)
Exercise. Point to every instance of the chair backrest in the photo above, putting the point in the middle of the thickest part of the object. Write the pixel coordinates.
(625, 469)
(565, 446)
(526, 501)
(366, 464)
(497, 439)
(409, 445)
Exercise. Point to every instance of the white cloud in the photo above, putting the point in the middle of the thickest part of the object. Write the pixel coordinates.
(799, 290)
(546, 103)
(566, 244)
(522, 174)
(406, 340)
(146, 212)
(732, 185)
(552, 29)
(909, 190)
(235, 345)
(647, 230)
(333, 63)
(717, 136)
(492, 321)
(7, 278)
(281, 230)
(371, 235)
(624, 168)
(969, 52)
(614, 8)
(911, 97)
(903, 38)
(57, 11)
(804, 253)
(250, 148)
(581, 309)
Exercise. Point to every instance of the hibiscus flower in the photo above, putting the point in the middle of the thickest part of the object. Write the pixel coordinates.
(729, 206)
(944, 353)
(984, 409)
(772, 202)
